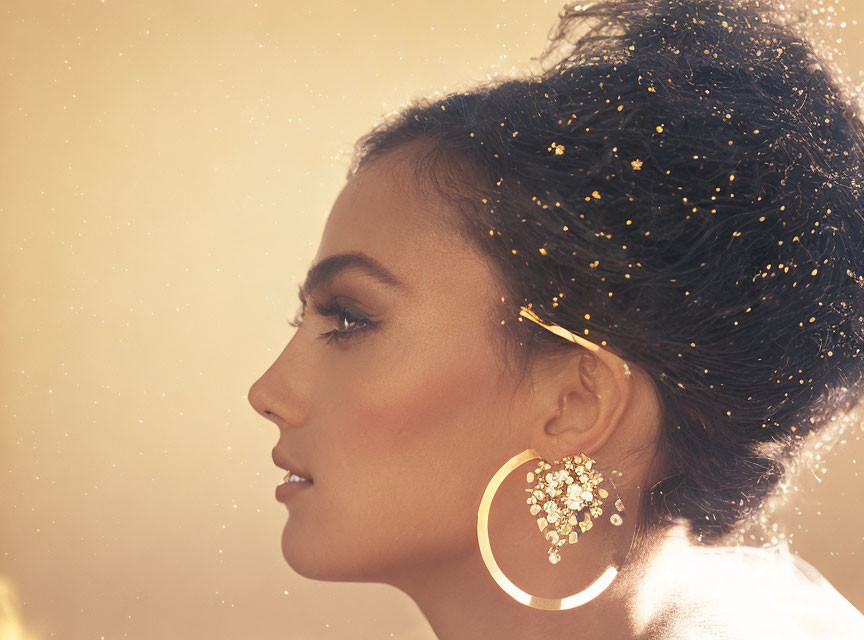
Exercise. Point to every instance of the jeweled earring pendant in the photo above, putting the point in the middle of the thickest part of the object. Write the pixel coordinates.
(568, 499)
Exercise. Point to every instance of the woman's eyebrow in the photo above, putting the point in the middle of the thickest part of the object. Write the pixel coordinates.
(326, 270)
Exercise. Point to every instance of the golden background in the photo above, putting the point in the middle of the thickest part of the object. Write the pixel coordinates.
(165, 174)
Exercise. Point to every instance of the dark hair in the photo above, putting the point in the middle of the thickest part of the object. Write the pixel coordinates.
(698, 161)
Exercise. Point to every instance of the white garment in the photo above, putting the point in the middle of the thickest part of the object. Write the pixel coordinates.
(736, 592)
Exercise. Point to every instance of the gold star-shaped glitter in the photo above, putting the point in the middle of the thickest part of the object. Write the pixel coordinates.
(636, 164)
(558, 148)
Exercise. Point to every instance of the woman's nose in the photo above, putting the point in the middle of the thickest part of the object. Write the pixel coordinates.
(279, 393)
(257, 396)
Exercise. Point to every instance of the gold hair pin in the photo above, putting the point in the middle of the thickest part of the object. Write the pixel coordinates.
(527, 312)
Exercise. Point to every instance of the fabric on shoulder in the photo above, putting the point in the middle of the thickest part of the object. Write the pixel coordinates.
(725, 592)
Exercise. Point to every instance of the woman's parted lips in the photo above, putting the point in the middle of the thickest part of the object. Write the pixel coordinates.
(282, 461)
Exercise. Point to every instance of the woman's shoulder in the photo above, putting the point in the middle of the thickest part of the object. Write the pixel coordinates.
(721, 592)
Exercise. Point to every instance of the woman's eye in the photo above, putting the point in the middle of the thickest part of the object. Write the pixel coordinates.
(298, 319)
(348, 322)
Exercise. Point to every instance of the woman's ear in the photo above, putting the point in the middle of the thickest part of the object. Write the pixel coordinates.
(587, 369)
(591, 393)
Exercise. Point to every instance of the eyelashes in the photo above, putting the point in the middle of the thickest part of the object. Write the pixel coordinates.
(349, 322)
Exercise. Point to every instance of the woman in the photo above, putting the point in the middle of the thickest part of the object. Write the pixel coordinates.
(563, 334)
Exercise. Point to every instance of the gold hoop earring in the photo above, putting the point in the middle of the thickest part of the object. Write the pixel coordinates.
(561, 500)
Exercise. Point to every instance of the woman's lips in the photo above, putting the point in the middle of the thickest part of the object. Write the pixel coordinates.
(286, 490)
(281, 461)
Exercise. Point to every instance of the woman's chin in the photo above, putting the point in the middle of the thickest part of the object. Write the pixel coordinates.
(301, 552)
(308, 554)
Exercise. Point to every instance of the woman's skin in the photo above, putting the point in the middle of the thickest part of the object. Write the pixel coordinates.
(402, 426)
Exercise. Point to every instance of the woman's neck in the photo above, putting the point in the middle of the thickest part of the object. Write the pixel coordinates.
(461, 601)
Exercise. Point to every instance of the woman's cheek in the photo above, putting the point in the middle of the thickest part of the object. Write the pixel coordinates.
(418, 410)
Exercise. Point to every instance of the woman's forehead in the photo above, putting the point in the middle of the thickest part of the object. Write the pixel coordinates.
(380, 213)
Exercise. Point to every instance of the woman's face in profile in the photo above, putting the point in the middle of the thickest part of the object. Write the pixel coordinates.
(401, 420)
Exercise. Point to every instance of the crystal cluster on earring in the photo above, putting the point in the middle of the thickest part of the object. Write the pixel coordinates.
(563, 495)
